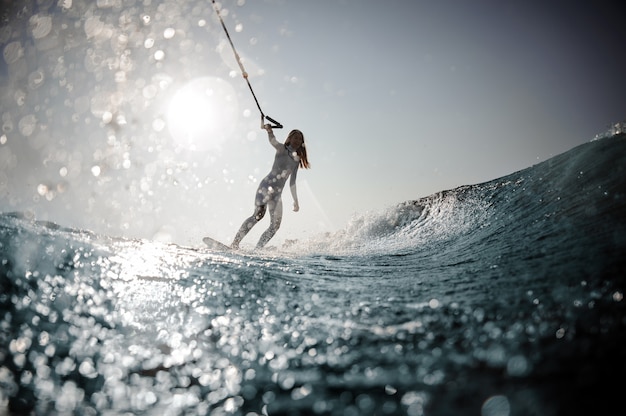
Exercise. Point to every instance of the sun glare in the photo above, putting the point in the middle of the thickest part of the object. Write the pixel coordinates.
(202, 113)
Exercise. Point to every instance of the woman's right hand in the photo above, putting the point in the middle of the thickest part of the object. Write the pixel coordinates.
(268, 127)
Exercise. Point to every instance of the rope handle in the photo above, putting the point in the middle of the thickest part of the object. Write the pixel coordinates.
(276, 124)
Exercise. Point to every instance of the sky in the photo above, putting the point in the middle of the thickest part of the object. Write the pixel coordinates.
(131, 118)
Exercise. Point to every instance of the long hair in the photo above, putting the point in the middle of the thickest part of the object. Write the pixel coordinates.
(301, 152)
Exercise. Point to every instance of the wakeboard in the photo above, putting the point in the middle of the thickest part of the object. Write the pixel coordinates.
(215, 245)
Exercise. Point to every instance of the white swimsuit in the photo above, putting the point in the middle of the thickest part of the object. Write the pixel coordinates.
(285, 164)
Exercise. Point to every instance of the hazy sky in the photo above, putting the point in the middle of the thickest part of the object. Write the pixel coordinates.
(131, 117)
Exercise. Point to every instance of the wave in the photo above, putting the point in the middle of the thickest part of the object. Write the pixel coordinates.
(581, 187)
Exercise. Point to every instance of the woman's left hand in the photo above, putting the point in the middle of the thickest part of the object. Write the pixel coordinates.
(296, 207)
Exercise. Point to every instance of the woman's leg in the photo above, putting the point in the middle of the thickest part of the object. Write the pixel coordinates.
(276, 216)
(247, 225)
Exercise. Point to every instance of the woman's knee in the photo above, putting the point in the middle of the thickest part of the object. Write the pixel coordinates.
(275, 223)
(259, 213)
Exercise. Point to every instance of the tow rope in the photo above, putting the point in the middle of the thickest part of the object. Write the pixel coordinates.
(276, 124)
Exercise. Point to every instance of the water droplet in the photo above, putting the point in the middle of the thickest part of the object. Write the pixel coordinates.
(27, 125)
(42, 189)
(169, 33)
(93, 26)
(107, 116)
(517, 366)
(87, 369)
(496, 406)
(65, 4)
(40, 26)
(13, 52)
(158, 124)
(35, 79)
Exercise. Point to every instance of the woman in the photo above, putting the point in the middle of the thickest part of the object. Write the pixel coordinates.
(289, 156)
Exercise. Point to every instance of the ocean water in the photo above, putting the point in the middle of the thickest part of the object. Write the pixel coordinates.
(501, 298)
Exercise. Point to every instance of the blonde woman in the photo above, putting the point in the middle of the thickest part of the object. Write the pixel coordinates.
(289, 157)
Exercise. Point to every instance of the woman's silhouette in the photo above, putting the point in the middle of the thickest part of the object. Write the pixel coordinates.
(289, 157)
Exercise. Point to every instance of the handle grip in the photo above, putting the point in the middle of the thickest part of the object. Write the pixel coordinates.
(276, 125)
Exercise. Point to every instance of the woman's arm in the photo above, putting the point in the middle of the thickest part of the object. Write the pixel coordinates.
(294, 191)
(271, 137)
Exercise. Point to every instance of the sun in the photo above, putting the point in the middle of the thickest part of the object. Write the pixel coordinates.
(202, 113)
